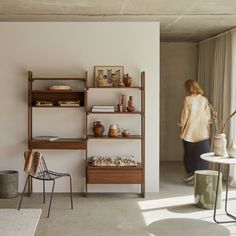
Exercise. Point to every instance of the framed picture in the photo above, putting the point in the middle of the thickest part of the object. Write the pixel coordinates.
(108, 76)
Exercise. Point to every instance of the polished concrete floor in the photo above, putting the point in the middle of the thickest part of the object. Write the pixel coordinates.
(118, 214)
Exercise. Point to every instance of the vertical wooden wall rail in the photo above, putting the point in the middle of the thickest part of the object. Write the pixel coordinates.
(143, 130)
(86, 130)
(30, 86)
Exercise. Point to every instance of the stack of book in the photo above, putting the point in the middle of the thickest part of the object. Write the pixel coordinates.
(103, 109)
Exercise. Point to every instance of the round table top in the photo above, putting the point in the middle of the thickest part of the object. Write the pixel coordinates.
(210, 156)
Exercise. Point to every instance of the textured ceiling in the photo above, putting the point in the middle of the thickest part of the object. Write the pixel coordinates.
(181, 20)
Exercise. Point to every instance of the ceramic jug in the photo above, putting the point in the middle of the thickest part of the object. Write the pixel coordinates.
(127, 80)
(98, 129)
(113, 131)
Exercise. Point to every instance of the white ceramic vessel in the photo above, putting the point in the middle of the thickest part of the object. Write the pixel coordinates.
(220, 145)
(232, 150)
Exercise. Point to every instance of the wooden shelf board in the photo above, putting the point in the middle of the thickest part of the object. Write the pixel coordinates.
(57, 106)
(134, 87)
(57, 91)
(116, 112)
(58, 144)
(82, 79)
(113, 138)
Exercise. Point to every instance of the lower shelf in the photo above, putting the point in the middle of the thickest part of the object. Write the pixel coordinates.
(58, 144)
(114, 175)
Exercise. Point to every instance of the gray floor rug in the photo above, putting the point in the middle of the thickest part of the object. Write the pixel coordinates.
(186, 227)
(19, 223)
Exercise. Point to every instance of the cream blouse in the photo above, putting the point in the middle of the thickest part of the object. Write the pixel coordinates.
(195, 119)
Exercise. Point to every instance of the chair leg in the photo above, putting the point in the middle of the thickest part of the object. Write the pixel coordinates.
(43, 191)
(71, 198)
(23, 192)
(49, 208)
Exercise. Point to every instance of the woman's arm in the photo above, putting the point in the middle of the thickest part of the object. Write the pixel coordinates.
(184, 115)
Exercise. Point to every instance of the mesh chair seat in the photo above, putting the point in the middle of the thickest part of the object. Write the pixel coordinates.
(49, 175)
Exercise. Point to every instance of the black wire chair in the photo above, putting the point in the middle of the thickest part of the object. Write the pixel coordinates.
(46, 175)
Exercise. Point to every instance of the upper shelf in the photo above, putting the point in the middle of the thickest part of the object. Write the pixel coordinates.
(134, 87)
(57, 91)
(117, 113)
(81, 79)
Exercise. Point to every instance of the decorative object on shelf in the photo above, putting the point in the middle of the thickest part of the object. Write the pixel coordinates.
(232, 149)
(103, 108)
(59, 87)
(115, 80)
(131, 107)
(44, 103)
(98, 129)
(46, 138)
(114, 131)
(100, 81)
(68, 103)
(113, 161)
(220, 145)
(111, 75)
(126, 133)
(120, 108)
(127, 80)
(121, 85)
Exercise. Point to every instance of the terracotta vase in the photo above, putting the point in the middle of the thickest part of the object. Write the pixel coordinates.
(127, 80)
(220, 145)
(130, 107)
(98, 129)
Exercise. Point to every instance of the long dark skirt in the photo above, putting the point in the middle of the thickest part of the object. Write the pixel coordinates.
(192, 152)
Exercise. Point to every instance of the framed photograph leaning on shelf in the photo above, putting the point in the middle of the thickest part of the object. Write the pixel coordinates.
(108, 76)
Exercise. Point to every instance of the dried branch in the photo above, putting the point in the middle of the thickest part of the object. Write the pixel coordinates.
(224, 123)
(222, 126)
(214, 116)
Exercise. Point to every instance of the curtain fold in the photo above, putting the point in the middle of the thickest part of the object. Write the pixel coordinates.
(214, 75)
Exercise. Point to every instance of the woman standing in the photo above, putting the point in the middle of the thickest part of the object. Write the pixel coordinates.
(195, 128)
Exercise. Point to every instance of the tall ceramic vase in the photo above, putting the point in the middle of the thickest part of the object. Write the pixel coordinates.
(220, 145)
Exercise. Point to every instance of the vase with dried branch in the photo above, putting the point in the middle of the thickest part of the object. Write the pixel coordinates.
(220, 142)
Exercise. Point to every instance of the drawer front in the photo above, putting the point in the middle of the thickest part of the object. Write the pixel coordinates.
(114, 176)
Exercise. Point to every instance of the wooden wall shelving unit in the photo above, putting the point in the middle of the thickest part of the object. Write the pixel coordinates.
(119, 175)
(54, 96)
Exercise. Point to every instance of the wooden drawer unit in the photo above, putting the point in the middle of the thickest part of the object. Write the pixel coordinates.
(114, 175)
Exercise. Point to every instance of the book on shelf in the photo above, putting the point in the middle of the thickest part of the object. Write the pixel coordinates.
(43, 103)
(68, 103)
(104, 107)
(46, 138)
(103, 110)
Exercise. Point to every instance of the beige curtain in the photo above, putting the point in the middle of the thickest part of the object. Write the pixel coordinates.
(214, 73)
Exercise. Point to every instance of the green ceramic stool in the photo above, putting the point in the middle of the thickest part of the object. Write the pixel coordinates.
(205, 189)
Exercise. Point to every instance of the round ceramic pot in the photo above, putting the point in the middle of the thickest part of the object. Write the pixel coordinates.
(220, 145)
(127, 80)
(98, 129)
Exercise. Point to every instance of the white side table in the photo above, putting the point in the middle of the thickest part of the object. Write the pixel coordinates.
(221, 160)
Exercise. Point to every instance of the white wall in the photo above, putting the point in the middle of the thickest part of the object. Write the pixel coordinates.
(178, 63)
(67, 49)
